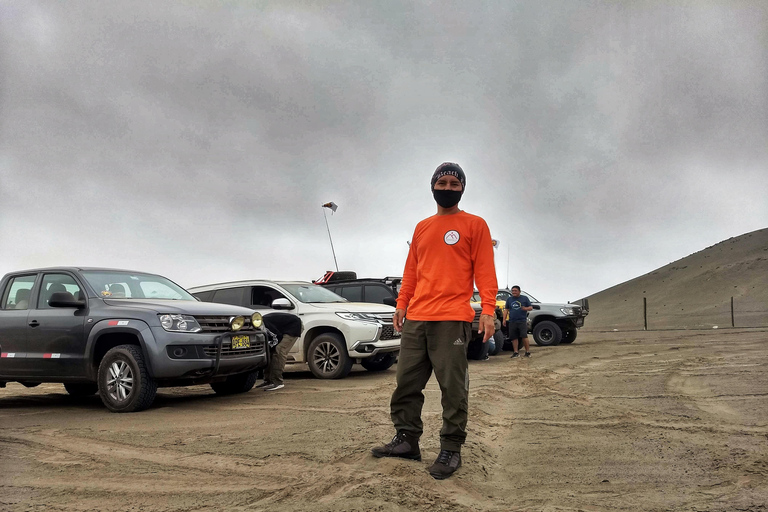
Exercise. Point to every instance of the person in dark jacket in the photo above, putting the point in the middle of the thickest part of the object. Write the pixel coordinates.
(283, 330)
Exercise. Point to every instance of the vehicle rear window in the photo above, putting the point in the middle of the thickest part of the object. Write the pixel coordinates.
(232, 296)
(16, 295)
(377, 294)
(351, 293)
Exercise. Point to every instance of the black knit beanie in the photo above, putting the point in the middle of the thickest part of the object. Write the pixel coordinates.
(449, 169)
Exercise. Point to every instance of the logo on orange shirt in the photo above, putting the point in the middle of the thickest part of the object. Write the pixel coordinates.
(451, 237)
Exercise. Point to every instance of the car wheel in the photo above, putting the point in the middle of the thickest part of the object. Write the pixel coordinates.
(569, 335)
(380, 362)
(498, 339)
(124, 382)
(29, 384)
(327, 357)
(547, 334)
(81, 388)
(239, 383)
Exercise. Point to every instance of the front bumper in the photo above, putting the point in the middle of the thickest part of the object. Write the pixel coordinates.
(372, 338)
(364, 350)
(195, 356)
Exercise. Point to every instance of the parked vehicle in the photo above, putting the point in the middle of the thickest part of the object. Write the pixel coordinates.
(385, 291)
(550, 323)
(122, 334)
(337, 333)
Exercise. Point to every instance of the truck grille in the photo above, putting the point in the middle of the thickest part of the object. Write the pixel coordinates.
(213, 324)
(257, 347)
(387, 329)
(389, 333)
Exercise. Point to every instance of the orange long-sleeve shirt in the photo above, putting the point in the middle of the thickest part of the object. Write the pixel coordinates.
(448, 255)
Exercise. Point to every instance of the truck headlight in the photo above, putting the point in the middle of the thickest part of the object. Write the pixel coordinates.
(256, 320)
(180, 323)
(361, 317)
(236, 323)
(568, 311)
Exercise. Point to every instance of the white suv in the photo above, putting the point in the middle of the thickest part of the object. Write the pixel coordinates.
(337, 333)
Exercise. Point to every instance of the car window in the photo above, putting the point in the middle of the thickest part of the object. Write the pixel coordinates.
(312, 293)
(232, 296)
(351, 293)
(130, 285)
(53, 283)
(377, 294)
(16, 295)
(530, 297)
(156, 290)
(263, 296)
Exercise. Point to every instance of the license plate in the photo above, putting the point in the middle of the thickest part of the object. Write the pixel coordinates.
(241, 342)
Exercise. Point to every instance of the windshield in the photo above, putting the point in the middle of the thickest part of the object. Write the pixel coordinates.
(312, 293)
(127, 285)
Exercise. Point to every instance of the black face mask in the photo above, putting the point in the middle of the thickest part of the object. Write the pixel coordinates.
(447, 198)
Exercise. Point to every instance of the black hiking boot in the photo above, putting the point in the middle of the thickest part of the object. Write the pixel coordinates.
(445, 465)
(403, 445)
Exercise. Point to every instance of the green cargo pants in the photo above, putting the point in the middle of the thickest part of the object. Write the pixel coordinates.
(274, 373)
(425, 346)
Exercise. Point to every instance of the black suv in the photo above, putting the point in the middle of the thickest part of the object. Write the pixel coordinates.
(122, 334)
(378, 291)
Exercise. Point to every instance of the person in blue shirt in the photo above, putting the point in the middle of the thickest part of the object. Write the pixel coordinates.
(516, 318)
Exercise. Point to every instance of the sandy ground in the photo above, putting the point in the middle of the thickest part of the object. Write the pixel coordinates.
(674, 420)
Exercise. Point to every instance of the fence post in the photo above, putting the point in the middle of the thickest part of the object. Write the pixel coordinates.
(645, 313)
(733, 324)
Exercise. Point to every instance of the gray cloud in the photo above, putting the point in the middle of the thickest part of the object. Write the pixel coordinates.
(600, 139)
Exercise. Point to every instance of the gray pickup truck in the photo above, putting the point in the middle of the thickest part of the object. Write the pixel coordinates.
(551, 323)
(122, 334)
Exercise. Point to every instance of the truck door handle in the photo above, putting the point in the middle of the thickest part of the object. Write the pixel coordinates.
(34, 323)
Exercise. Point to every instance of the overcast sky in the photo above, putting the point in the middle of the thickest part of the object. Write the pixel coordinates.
(198, 139)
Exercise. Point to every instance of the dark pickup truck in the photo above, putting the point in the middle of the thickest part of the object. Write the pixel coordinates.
(122, 334)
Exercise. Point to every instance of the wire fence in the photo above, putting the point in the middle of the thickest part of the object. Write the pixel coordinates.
(649, 315)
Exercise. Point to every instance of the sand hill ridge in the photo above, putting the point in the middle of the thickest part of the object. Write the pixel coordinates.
(693, 292)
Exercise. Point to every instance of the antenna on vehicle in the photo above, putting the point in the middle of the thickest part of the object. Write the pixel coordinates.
(332, 206)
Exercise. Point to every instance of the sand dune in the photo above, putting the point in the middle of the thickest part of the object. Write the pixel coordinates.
(693, 292)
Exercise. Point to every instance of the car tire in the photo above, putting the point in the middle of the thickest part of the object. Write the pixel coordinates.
(380, 362)
(327, 357)
(569, 335)
(240, 383)
(498, 339)
(81, 388)
(547, 334)
(29, 384)
(124, 382)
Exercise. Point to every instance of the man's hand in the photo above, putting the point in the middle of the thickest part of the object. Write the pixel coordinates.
(397, 319)
(486, 326)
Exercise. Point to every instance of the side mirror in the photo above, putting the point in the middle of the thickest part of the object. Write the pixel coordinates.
(390, 301)
(282, 303)
(65, 300)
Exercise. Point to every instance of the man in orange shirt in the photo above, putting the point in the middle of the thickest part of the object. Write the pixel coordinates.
(449, 253)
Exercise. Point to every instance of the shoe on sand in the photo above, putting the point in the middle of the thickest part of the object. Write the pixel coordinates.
(403, 445)
(445, 465)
